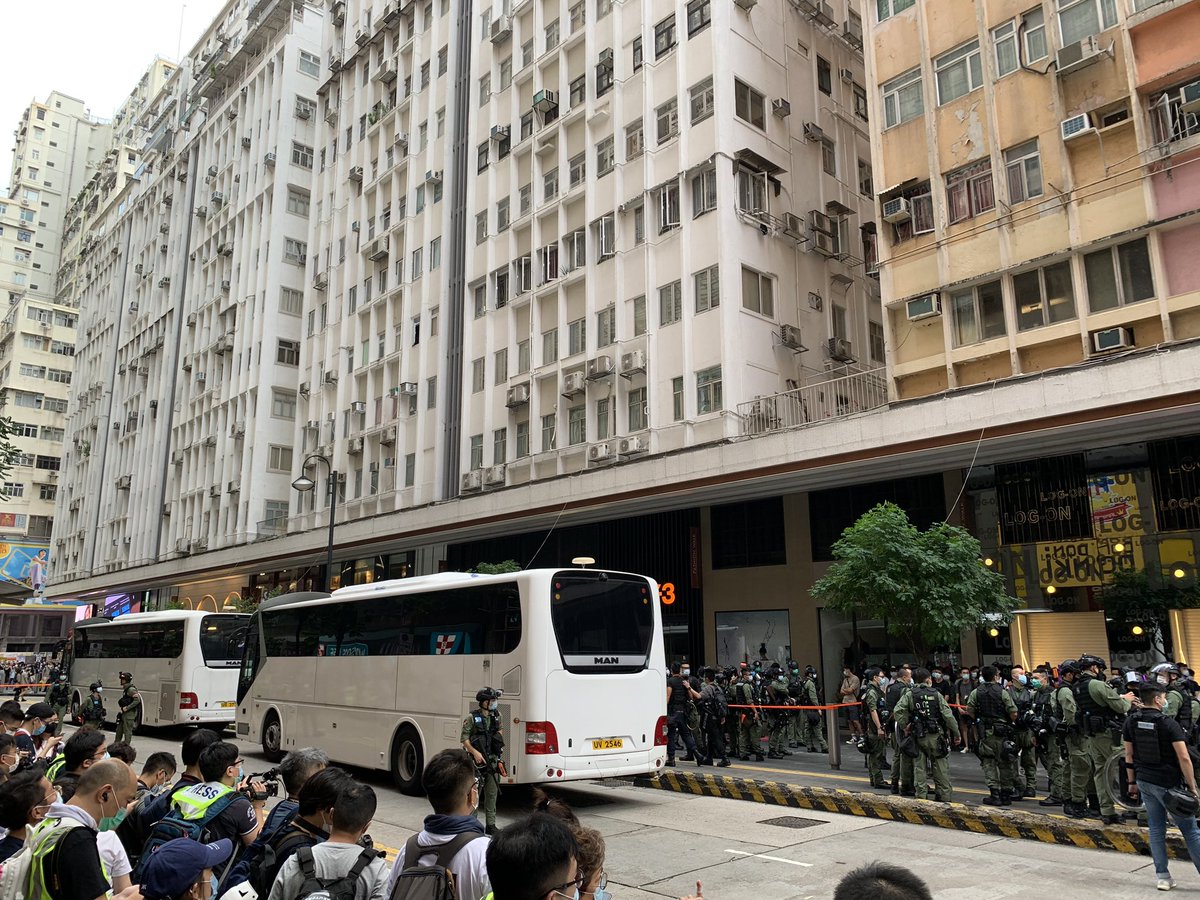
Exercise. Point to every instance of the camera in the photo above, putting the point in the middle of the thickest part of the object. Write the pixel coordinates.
(269, 781)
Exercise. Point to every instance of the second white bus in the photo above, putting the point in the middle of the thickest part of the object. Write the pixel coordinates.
(382, 675)
(184, 663)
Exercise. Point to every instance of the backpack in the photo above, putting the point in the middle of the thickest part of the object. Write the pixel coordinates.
(895, 691)
(17, 876)
(435, 882)
(264, 863)
(720, 703)
(174, 825)
(315, 888)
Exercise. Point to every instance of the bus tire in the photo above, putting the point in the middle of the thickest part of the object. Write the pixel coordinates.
(272, 738)
(408, 761)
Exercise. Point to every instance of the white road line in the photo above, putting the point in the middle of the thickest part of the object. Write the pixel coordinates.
(790, 862)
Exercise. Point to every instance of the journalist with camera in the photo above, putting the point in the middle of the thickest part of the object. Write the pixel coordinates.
(483, 737)
(1160, 771)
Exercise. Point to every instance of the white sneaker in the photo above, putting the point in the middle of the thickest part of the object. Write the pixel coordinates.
(851, 741)
(1166, 884)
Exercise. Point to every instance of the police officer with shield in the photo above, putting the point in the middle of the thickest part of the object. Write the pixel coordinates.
(924, 714)
(483, 737)
(994, 712)
(1100, 712)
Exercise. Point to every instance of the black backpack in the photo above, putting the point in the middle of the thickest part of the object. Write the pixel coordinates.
(435, 882)
(314, 888)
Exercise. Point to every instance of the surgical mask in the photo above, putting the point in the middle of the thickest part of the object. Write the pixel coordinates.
(1022, 679)
(14, 765)
(39, 730)
(601, 894)
(686, 671)
(1035, 682)
(937, 676)
(1161, 679)
(241, 773)
(99, 690)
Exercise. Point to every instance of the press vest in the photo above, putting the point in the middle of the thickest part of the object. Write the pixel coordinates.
(44, 838)
(193, 802)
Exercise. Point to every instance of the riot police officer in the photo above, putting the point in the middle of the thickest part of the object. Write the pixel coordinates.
(748, 718)
(777, 719)
(902, 770)
(1100, 712)
(482, 736)
(812, 731)
(1076, 790)
(796, 692)
(1023, 766)
(1179, 701)
(924, 713)
(92, 711)
(1049, 742)
(60, 698)
(994, 712)
(875, 721)
(130, 703)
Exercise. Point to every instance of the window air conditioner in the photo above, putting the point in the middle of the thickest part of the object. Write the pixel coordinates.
(1111, 339)
(518, 395)
(839, 349)
(494, 476)
(600, 452)
(924, 307)
(472, 481)
(1077, 56)
(896, 210)
(573, 383)
(789, 336)
(1075, 126)
(633, 362)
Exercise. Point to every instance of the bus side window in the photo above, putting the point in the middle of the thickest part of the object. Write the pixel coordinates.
(249, 660)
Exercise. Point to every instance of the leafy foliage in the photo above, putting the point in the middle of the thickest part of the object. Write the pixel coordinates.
(500, 568)
(928, 586)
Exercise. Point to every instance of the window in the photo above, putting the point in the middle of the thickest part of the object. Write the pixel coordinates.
(1044, 296)
(576, 337)
(708, 390)
(704, 192)
(865, 181)
(500, 277)
(499, 446)
(604, 80)
(481, 157)
(639, 224)
(13, 489)
(902, 99)
(577, 91)
(522, 440)
(829, 156)
(577, 425)
(552, 35)
(670, 303)
(888, 8)
(287, 353)
(920, 204)
(603, 414)
(824, 76)
(701, 99)
(435, 254)
(279, 458)
(500, 366)
(639, 418)
(1118, 275)
(523, 356)
(294, 251)
(526, 125)
(431, 393)
(977, 313)
(502, 215)
(605, 229)
(477, 375)
(969, 191)
(758, 292)
(668, 207)
(638, 310)
(549, 346)
(606, 327)
(638, 58)
(667, 119)
(699, 15)
(1004, 48)
(298, 202)
(550, 185)
(302, 156)
(410, 469)
(752, 191)
(47, 491)
(748, 104)
(417, 256)
(677, 399)
(548, 428)
(526, 200)
(481, 227)
(1078, 19)
(1023, 164)
(1035, 34)
(875, 336)
(634, 140)
(291, 301)
(605, 156)
(283, 404)
(476, 461)
(958, 72)
(706, 284)
(664, 37)
(576, 170)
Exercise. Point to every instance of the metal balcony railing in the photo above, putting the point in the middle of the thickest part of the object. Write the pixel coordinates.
(834, 398)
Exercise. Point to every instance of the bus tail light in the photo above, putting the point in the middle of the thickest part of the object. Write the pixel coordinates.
(189, 701)
(540, 738)
(660, 732)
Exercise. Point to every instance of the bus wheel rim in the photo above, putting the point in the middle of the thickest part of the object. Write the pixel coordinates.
(408, 759)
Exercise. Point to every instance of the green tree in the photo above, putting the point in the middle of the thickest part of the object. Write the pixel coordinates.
(1132, 598)
(928, 586)
(8, 451)
(500, 568)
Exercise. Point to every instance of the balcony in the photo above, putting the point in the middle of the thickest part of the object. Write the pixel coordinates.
(273, 527)
(833, 398)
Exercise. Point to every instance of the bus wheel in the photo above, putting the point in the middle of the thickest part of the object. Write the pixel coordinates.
(407, 762)
(272, 738)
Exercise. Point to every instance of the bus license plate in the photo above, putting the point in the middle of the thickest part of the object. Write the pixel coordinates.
(608, 744)
(227, 704)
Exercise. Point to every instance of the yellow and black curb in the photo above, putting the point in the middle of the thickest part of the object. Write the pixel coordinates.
(979, 820)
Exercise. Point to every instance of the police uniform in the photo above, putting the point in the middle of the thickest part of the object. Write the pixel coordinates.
(933, 722)
(1023, 766)
(481, 729)
(1049, 718)
(876, 744)
(60, 698)
(1076, 789)
(130, 703)
(92, 711)
(749, 731)
(1100, 711)
(902, 766)
(796, 722)
(993, 710)
(777, 692)
(812, 730)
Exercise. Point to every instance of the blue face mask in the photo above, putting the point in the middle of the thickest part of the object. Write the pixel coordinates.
(1022, 679)
(39, 729)
(602, 895)
(241, 774)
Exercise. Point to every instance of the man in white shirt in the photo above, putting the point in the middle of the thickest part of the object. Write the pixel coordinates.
(452, 787)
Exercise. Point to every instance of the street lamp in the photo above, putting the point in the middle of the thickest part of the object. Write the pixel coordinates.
(304, 484)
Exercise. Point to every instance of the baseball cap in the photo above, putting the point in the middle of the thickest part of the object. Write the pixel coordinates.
(39, 711)
(175, 866)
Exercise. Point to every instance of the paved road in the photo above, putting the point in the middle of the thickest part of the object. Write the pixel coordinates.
(660, 843)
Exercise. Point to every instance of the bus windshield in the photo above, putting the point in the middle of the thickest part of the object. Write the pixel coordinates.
(222, 639)
(604, 623)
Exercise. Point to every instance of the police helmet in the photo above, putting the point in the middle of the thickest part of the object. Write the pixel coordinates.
(1165, 668)
(810, 670)
(487, 693)
(95, 686)
(125, 676)
(1067, 665)
(1179, 801)
(1086, 661)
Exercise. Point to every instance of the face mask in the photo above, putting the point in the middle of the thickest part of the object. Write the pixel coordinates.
(937, 676)
(39, 730)
(602, 895)
(241, 773)
(99, 690)
(1035, 682)
(686, 671)
(12, 767)
(1161, 679)
(1022, 679)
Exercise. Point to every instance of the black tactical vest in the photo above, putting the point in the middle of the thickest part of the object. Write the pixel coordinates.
(1184, 717)
(1088, 707)
(1151, 746)
(989, 703)
(927, 708)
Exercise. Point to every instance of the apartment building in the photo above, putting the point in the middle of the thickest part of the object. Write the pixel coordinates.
(1039, 167)
(57, 143)
(182, 427)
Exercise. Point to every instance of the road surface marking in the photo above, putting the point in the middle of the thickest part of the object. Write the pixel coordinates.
(790, 862)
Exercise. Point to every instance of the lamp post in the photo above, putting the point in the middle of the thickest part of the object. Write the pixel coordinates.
(304, 484)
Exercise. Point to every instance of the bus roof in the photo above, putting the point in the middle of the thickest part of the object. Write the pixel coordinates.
(169, 615)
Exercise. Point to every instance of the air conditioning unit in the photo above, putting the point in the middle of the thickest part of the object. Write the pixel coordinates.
(356, 445)
(1190, 99)
(388, 73)
(518, 395)
(472, 481)
(331, 377)
(165, 281)
(210, 441)
(233, 487)
(781, 108)
(304, 112)
(232, 113)
(361, 36)
(839, 349)
(606, 59)
(166, 510)
(896, 210)
(600, 452)
(822, 222)
(793, 226)
(813, 132)
(378, 248)
(358, 407)
(202, 211)
(747, 5)
(269, 159)
(824, 14)
(246, 142)
(573, 384)
(408, 388)
(191, 320)
(632, 445)
(600, 367)
(824, 244)
(218, 197)
(313, 425)
(402, 141)
(494, 476)
(501, 29)
(356, 173)
(212, 171)
(214, 490)
(321, 281)
(433, 176)
(1111, 339)
(544, 101)
(387, 437)
(500, 132)
(165, 227)
(123, 482)
(847, 75)
(789, 336)
(633, 362)
(138, 268)
(1075, 126)
(133, 306)
(225, 286)
(1077, 56)
(924, 307)
(238, 430)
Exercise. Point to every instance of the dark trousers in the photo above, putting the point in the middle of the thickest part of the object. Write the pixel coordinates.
(677, 725)
(716, 740)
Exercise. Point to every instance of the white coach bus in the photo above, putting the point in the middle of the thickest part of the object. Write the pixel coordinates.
(184, 663)
(382, 675)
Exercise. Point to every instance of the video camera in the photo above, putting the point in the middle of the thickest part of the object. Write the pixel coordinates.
(269, 780)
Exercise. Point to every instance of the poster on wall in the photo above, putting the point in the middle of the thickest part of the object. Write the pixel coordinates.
(25, 564)
(753, 635)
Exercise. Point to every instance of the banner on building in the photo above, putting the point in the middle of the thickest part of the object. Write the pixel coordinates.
(25, 564)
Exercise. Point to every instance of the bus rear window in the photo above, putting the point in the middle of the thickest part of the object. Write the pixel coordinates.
(222, 639)
(603, 622)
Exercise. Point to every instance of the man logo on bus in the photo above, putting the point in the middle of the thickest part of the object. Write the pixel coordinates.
(605, 660)
(448, 644)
